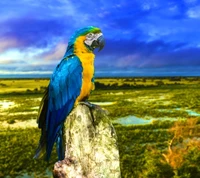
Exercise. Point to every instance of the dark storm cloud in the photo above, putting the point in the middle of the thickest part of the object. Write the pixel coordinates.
(130, 46)
(141, 54)
(34, 32)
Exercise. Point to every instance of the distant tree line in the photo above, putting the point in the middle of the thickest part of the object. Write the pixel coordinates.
(115, 86)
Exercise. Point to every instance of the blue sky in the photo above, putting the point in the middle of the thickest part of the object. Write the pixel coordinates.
(143, 37)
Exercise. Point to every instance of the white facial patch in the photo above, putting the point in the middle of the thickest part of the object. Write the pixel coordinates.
(91, 37)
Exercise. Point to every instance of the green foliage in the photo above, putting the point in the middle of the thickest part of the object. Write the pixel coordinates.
(140, 146)
(17, 151)
(2, 85)
(12, 121)
(155, 167)
(159, 82)
(191, 165)
(134, 142)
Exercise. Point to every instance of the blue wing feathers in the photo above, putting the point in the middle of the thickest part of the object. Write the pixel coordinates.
(64, 88)
(64, 91)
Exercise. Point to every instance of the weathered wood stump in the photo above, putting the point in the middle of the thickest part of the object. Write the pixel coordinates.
(91, 146)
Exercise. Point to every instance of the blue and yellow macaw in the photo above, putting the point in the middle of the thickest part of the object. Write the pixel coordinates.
(71, 82)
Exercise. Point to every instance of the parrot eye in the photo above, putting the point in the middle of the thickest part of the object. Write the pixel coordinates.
(90, 35)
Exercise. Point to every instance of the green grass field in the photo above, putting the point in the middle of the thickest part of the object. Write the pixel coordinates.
(143, 148)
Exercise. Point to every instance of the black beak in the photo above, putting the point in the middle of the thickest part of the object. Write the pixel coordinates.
(99, 43)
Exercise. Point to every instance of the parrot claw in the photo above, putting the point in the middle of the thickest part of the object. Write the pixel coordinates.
(94, 106)
(90, 105)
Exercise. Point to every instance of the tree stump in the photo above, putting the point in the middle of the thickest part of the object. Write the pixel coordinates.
(91, 146)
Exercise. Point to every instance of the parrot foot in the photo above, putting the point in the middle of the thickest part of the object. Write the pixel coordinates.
(90, 105)
(94, 106)
(91, 108)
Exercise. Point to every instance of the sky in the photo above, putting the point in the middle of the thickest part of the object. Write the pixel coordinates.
(143, 37)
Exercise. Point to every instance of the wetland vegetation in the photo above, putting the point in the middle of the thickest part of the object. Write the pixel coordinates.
(166, 146)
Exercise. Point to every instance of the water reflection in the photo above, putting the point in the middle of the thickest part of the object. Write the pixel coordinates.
(133, 120)
(190, 112)
(130, 120)
(104, 103)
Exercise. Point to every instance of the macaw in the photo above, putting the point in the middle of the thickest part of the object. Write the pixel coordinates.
(71, 82)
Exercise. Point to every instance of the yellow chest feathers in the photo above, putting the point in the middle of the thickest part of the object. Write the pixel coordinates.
(87, 59)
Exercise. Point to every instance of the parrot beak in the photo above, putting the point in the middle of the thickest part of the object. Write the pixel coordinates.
(99, 43)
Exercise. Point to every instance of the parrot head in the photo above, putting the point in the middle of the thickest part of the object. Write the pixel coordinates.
(94, 39)
(91, 37)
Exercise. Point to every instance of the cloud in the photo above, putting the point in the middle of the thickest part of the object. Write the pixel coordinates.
(10, 62)
(33, 32)
(128, 61)
(8, 43)
(139, 34)
(194, 12)
(173, 59)
(141, 54)
(191, 2)
(56, 53)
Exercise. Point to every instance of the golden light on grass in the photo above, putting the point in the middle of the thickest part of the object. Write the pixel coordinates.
(6, 104)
